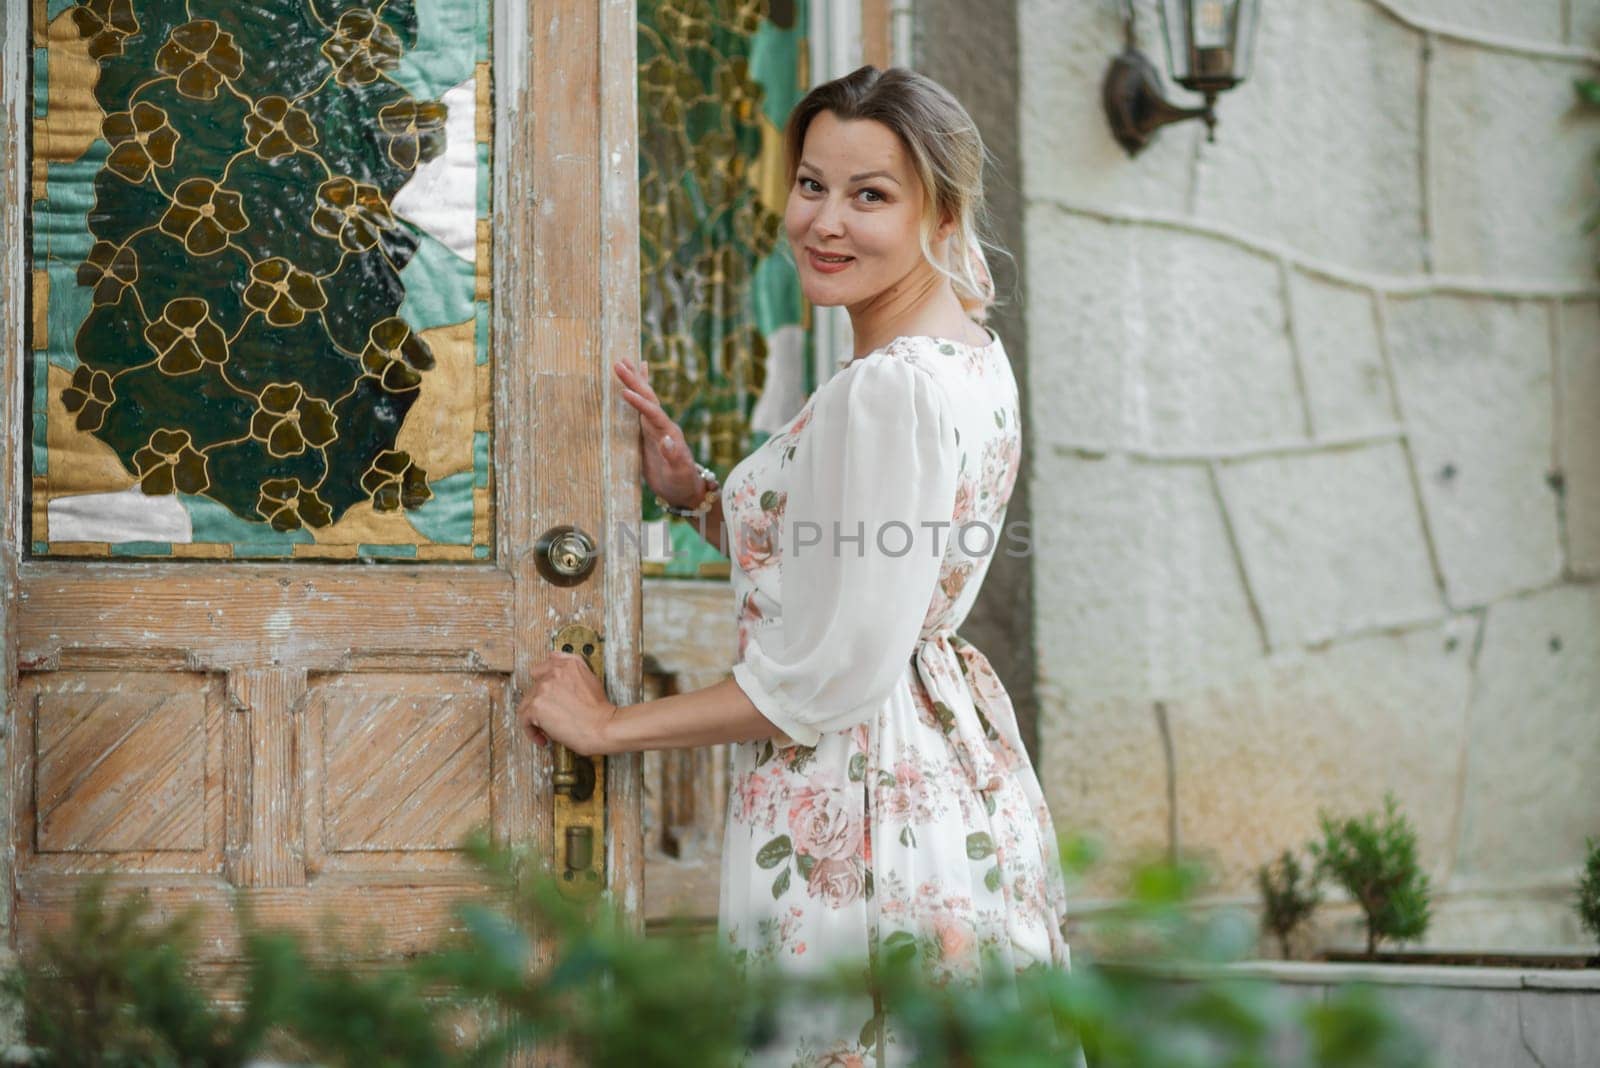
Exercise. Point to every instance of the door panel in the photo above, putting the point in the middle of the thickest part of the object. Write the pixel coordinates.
(123, 765)
(321, 733)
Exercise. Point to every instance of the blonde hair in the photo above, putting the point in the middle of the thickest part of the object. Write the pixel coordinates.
(946, 152)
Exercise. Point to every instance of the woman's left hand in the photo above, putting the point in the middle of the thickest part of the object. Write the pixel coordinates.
(568, 703)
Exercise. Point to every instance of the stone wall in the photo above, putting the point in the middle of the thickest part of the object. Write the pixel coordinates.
(1315, 448)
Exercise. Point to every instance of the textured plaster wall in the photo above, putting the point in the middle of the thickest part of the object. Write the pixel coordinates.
(1315, 448)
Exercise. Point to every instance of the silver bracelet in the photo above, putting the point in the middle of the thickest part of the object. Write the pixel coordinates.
(707, 478)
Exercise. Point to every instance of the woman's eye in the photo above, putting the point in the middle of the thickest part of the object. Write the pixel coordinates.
(807, 183)
(874, 197)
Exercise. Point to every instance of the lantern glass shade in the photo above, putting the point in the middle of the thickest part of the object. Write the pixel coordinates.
(1210, 43)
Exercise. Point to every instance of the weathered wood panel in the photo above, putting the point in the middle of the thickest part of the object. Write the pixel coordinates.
(376, 919)
(271, 699)
(118, 770)
(396, 765)
(319, 617)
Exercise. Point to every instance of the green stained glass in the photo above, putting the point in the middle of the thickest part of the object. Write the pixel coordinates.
(716, 81)
(241, 306)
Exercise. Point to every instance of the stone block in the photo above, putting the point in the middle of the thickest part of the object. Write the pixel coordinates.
(1336, 328)
(1561, 1027)
(1137, 592)
(1332, 542)
(1532, 789)
(1463, 1027)
(1516, 919)
(1104, 773)
(1580, 433)
(1513, 177)
(1585, 28)
(1145, 336)
(1333, 729)
(1525, 20)
(1474, 381)
(1319, 148)
(1067, 147)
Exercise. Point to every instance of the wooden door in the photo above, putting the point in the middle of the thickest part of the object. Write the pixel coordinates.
(317, 728)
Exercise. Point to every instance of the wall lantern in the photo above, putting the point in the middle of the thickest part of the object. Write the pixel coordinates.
(1209, 47)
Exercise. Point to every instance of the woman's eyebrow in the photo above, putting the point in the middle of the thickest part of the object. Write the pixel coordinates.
(854, 177)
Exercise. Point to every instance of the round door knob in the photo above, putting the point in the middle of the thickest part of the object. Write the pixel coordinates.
(565, 555)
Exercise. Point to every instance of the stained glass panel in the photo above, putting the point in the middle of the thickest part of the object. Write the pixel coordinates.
(261, 279)
(721, 311)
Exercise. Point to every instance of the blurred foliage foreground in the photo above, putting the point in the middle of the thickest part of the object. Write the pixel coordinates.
(119, 986)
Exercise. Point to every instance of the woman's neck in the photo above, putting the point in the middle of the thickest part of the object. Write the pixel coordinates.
(924, 302)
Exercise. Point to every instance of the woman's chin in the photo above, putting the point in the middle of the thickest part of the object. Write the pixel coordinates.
(825, 296)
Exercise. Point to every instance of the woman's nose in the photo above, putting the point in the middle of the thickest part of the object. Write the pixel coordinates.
(829, 219)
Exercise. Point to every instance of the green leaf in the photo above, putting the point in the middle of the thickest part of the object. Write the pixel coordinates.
(858, 767)
(866, 883)
(869, 1031)
(887, 779)
(988, 802)
(780, 884)
(766, 754)
(805, 862)
(775, 852)
(979, 845)
(1589, 90)
(907, 838)
(992, 880)
(900, 947)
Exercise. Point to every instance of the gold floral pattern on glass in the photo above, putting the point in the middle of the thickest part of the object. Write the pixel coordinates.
(107, 24)
(276, 128)
(288, 420)
(90, 395)
(201, 56)
(171, 462)
(203, 215)
(394, 480)
(283, 291)
(141, 140)
(289, 506)
(352, 212)
(109, 269)
(415, 131)
(185, 337)
(361, 48)
(394, 354)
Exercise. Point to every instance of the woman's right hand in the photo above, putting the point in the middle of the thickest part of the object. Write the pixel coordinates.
(669, 467)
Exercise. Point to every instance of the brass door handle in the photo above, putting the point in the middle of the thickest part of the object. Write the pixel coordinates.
(578, 783)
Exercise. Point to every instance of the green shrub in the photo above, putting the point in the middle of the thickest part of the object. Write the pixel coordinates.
(114, 989)
(1374, 857)
(1589, 888)
(1286, 902)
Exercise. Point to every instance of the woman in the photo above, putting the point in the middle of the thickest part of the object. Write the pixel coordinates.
(882, 790)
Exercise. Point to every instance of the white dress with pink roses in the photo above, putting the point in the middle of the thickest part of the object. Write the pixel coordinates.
(899, 805)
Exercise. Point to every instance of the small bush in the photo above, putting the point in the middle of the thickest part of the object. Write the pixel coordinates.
(1374, 857)
(1286, 901)
(1589, 889)
(117, 989)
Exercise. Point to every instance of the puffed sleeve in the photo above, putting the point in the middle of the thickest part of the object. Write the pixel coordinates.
(879, 458)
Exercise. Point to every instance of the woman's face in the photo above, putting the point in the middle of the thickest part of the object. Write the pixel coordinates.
(854, 212)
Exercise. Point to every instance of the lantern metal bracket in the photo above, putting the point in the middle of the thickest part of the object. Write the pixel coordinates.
(1135, 107)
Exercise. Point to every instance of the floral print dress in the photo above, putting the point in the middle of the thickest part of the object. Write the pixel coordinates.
(898, 806)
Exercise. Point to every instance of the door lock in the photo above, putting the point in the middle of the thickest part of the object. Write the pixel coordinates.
(579, 785)
(565, 555)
